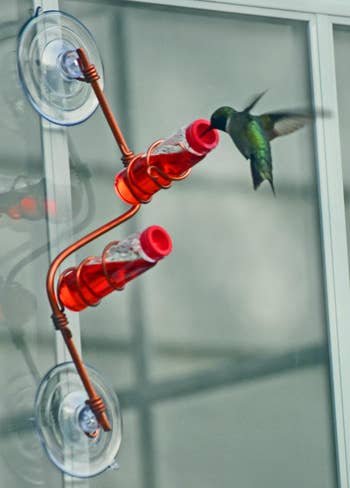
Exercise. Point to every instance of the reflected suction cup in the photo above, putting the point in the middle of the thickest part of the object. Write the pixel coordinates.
(68, 428)
(49, 70)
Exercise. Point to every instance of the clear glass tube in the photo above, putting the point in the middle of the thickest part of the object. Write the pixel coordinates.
(169, 160)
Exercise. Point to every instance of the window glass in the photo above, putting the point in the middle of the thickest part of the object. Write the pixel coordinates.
(220, 351)
(26, 332)
(341, 45)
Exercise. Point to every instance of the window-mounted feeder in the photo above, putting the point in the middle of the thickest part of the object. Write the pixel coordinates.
(54, 52)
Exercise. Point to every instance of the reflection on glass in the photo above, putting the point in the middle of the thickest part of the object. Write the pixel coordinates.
(24, 211)
(341, 49)
(16, 319)
(26, 344)
(222, 353)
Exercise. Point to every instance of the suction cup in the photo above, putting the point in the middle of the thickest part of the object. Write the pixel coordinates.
(68, 428)
(48, 67)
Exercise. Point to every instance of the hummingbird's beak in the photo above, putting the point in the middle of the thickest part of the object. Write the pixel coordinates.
(206, 130)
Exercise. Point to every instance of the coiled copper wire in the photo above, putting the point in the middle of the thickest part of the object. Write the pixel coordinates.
(78, 279)
(96, 404)
(79, 283)
(60, 320)
(90, 73)
(130, 179)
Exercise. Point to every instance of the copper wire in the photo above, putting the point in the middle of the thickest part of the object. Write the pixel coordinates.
(80, 285)
(132, 184)
(91, 76)
(90, 73)
(98, 407)
(77, 272)
(130, 178)
(96, 404)
(59, 318)
(129, 159)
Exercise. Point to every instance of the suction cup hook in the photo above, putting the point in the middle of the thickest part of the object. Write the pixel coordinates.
(49, 70)
(68, 428)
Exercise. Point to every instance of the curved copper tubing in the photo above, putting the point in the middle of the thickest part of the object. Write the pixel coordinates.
(91, 76)
(61, 321)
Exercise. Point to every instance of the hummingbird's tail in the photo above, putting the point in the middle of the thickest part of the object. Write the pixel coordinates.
(259, 176)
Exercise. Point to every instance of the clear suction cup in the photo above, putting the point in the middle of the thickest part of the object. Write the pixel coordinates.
(48, 67)
(68, 428)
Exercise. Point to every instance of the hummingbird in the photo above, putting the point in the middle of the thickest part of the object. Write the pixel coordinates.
(252, 134)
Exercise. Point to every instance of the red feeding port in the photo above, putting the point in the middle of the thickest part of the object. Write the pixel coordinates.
(121, 262)
(166, 161)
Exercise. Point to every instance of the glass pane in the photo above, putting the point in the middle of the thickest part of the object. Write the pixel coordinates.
(27, 336)
(221, 350)
(341, 48)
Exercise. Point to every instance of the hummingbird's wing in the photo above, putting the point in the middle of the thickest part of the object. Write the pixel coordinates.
(254, 101)
(278, 124)
(260, 155)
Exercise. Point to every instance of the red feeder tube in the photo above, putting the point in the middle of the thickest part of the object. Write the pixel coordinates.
(168, 160)
(121, 262)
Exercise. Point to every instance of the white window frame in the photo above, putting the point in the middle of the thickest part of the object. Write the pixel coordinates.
(57, 180)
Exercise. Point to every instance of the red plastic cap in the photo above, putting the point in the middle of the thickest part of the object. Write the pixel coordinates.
(156, 242)
(200, 138)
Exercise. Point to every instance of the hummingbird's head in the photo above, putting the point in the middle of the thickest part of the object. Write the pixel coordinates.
(220, 117)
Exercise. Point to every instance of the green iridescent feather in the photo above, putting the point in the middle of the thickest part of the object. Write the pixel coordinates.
(252, 134)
